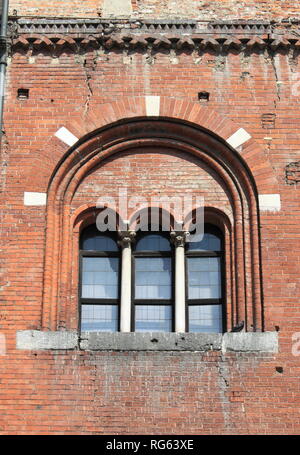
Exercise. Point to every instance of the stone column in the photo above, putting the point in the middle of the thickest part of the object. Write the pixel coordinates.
(126, 238)
(179, 238)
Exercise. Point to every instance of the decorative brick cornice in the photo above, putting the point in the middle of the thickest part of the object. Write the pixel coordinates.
(243, 27)
(42, 25)
(78, 35)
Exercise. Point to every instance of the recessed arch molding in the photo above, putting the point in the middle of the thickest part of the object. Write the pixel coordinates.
(63, 227)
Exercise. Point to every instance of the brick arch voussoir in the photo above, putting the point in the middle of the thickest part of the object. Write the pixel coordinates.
(223, 127)
(185, 110)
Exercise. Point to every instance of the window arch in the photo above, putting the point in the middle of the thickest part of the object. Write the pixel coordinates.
(242, 238)
(99, 281)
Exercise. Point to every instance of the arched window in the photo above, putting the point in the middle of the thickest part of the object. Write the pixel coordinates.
(153, 308)
(232, 204)
(153, 305)
(205, 283)
(99, 288)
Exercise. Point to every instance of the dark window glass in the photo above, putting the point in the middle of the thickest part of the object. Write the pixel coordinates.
(204, 278)
(153, 278)
(100, 271)
(99, 318)
(205, 300)
(153, 242)
(205, 318)
(100, 277)
(209, 242)
(94, 240)
(153, 318)
(153, 293)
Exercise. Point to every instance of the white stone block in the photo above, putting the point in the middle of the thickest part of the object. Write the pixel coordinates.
(269, 202)
(37, 340)
(35, 198)
(250, 342)
(152, 106)
(239, 138)
(66, 136)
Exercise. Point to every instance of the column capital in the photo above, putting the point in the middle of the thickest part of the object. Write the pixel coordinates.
(126, 238)
(178, 238)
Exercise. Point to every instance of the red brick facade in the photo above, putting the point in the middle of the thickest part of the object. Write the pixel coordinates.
(96, 84)
(193, 9)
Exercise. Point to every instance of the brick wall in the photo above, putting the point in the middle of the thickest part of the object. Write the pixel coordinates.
(130, 393)
(150, 392)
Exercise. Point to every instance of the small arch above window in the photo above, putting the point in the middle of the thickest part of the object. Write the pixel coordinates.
(211, 241)
(153, 242)
(93, 240)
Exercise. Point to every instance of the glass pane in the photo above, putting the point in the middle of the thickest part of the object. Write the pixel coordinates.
(210, 242)
(153, 243)
(205, 318)
(153, 318)
(153, 278)
(204, 275)
(92, 239)
(100, 277)
(99, 318)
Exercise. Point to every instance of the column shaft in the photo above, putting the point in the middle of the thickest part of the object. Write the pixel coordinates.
(180, 325)
(180, 307)
(125, 320)
(126, 238)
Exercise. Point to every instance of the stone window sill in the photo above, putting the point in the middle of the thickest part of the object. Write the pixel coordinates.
(193, 342)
